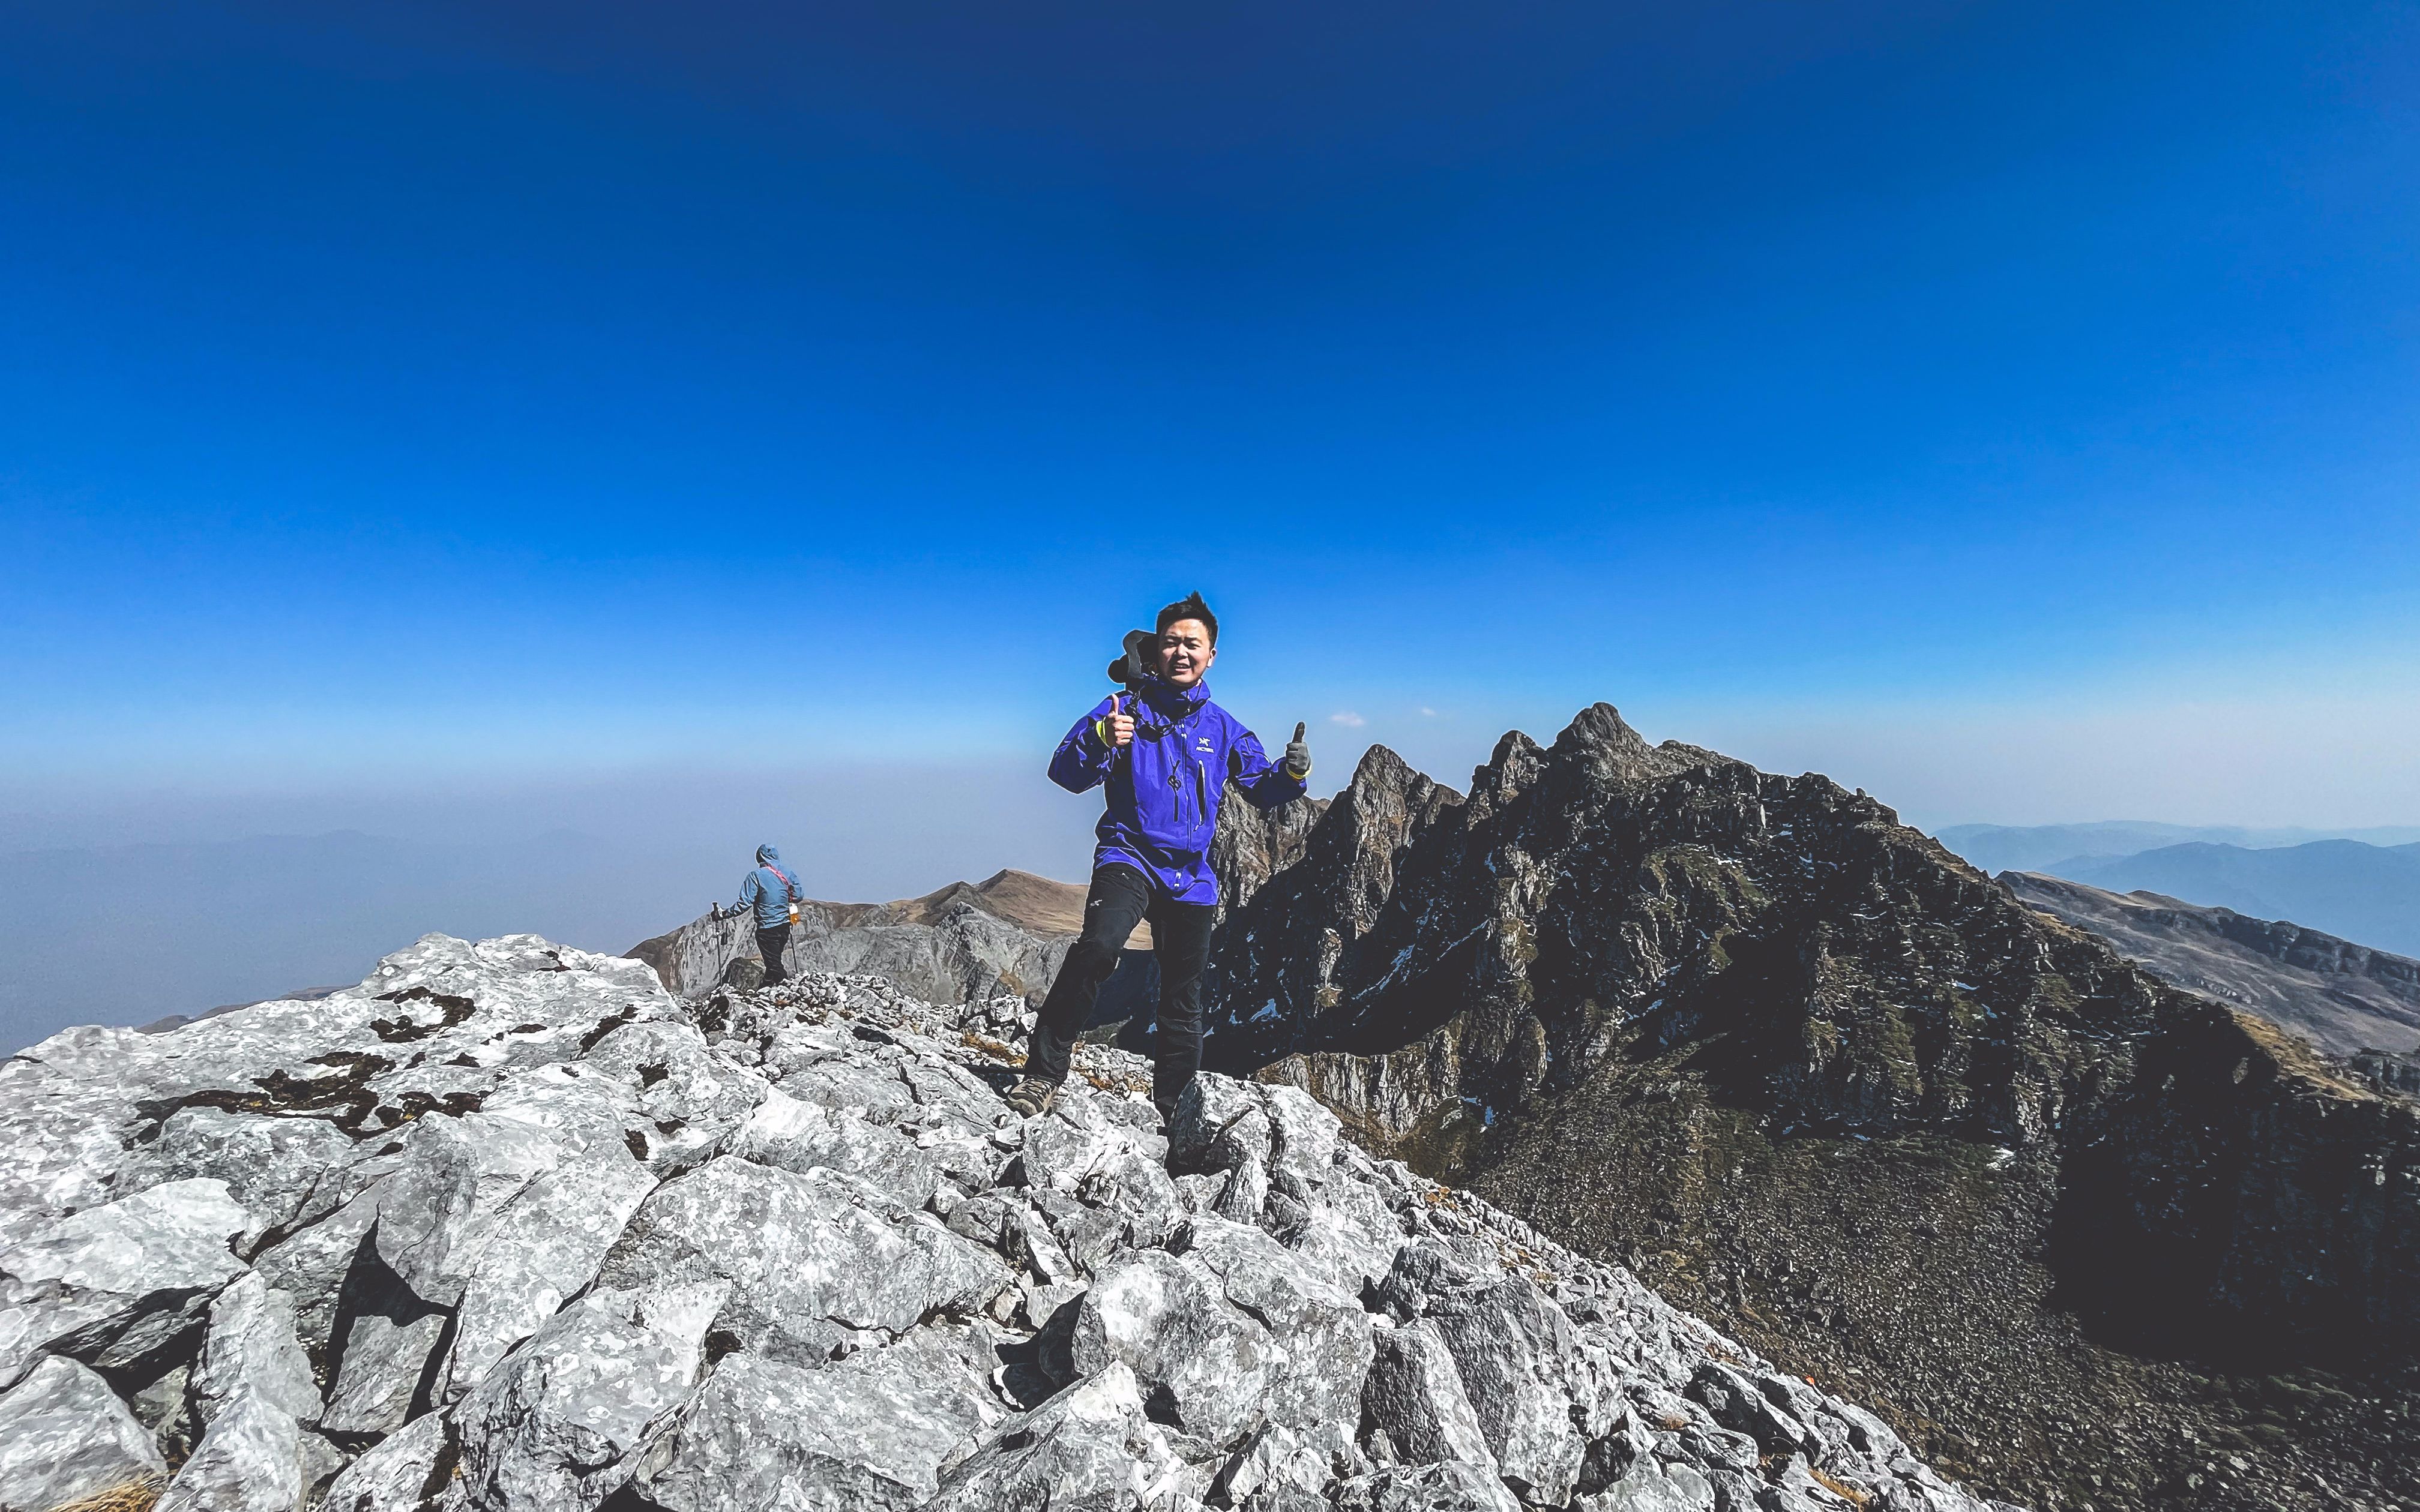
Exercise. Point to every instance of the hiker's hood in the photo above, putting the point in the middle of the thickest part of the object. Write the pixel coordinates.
(766, 856)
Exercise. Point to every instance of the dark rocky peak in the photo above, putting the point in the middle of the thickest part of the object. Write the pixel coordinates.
(1604, 893)
(1678, 1010)
(1254, 845)
(1600, 743)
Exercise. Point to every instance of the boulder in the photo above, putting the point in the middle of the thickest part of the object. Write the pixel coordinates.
(815, 1260)
(251, 1348)
(279, 1170)
(1414, 1393)
(113, 1284)
(64, 1435)
(543, 1247)
(792, 1135)
(410, 1469)
(1324, 1333)
(550, 1428)
(1445, 1487)
(251, 1460)
(1654, 1486)
(1304, 1133)
(254, 1391)
(1218, 1121)
(1136, 1188)
(1516, 1350)
(1738, 1404)
(1077, 1452)
(1279, 1467)
(1202, 1363)
(869, 1432)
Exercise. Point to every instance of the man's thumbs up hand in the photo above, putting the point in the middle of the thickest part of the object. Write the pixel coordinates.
(1298, 755)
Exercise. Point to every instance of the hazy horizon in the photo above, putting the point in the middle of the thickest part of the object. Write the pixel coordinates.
(126, 908)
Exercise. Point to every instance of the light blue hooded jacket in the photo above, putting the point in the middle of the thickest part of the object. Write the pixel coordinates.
(768, 889)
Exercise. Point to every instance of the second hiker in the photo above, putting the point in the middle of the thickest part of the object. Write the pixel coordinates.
(774, 895)
(1166, 755)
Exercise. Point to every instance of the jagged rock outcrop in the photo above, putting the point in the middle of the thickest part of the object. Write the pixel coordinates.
(2341, 996)
(507, 1226)
(967, 942)
(1797, 1061)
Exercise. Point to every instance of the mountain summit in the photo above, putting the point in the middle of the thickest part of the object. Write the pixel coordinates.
(508, 1228)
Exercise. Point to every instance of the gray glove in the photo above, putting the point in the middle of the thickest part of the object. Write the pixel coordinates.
(1297, 756)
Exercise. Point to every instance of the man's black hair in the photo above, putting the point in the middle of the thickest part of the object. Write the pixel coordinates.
(1188, 608)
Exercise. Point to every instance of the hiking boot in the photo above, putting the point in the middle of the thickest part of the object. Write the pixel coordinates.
(1031, 1097)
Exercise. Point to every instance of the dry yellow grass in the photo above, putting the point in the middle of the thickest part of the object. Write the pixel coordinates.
(1840, 1488)
(135, 1496)
(991, 1047)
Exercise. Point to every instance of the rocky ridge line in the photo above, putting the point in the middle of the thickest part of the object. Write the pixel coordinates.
(507, 1226)
(2085, 1240)
(2341, 996)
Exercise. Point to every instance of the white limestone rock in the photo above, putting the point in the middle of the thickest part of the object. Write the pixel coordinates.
(1077, 1452)
(254, 1393)
(251, 1348)
(1320, 1327)
(542, 1247)
(112, 1283)
(1167, 1321)
(549, 1235)
(792, 1135)
(64, 1435)
(251, 1460)
(552, 1428)
(410, 1469)
(1414, 1393)
(871, 1431)
(1445, 1488)
(813, 1259)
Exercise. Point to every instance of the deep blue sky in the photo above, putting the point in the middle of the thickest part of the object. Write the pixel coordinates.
(2013, 406)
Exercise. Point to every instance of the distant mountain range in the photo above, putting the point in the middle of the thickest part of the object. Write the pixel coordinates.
(2364, 891)
(2046, 847)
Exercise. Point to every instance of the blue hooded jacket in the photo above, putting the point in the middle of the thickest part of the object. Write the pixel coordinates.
(1165, 787)
(768, 889)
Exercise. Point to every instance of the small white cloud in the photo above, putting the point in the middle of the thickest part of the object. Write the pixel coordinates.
(1347, 718)
(1431, 713)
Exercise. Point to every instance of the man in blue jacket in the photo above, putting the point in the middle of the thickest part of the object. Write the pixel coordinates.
(1166, 757)
(773, 893)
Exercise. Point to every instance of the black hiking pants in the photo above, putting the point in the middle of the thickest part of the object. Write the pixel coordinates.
(770, 943)
(1121, 898)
